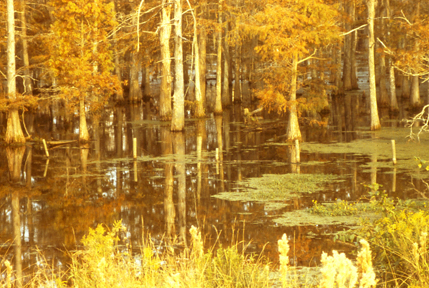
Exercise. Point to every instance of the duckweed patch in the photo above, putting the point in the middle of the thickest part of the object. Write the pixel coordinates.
(379, 147)
(305, 217)
(274, 187)
(273, 206)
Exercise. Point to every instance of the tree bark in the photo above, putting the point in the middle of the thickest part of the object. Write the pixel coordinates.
(146, 69)
(375, 121)
(178, 116)
(28, 87)
(237, 86)
(199, 111)
(354, 39)
(347, 66)
(83, 128)
(392, 78)
(135, 90)
(203, 64)
(119, 96)
(218, 105)
(384, 97)
(292, 131)
(13, 130)
(165, 93)
(415, 89)
(393, 98)
(338, 82)
(406, 89)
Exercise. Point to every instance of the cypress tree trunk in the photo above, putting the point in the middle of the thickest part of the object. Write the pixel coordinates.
(218, 105)
(135, 90)
(292, 130)
(199, 111)
(406, 89)
(165, 93)
(83, 128)
(119, 96)
(393, 99)
(178, 116)
(13, 130)
(384, 97)
(338, 82)
(28, 87)
(146, 80)
(237, 86)
(375, 121)
(415, 89)
(354, 39)
(347, 67)
(203, 64)
(392, 78)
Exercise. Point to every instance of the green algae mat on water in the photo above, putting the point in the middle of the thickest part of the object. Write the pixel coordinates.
(274, 187)
(378, 146)
(304, 217)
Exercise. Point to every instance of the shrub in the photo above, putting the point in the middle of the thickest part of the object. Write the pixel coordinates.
(398, 239)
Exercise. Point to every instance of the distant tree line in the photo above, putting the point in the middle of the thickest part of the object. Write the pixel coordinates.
(79, 54)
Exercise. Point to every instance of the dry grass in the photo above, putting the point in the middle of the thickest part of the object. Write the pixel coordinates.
(102, 264)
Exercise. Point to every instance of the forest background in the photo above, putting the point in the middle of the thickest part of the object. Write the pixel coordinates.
(296, 54)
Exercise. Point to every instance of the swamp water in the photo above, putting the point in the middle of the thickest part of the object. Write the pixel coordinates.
(252, 189)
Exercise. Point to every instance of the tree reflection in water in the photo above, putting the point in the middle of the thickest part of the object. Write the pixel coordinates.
(176, 177)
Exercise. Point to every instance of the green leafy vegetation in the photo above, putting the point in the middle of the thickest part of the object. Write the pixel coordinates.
(340, 208)
(398, 239)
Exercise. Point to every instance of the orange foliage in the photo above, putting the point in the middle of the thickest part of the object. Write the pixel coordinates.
(81, 56)
(285, 27)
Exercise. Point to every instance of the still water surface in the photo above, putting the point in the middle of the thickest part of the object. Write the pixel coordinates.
(169, 187)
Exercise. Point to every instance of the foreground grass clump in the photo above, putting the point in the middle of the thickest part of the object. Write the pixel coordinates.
(398, 239)
(102, 263)
(336, 271)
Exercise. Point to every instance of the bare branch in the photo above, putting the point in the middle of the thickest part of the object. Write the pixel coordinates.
(138, 19)
(420, 117)
(307, 58)
(351, 31)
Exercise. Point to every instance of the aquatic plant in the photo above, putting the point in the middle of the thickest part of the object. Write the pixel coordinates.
(339, 208)
(398, 239)
(274, 187)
